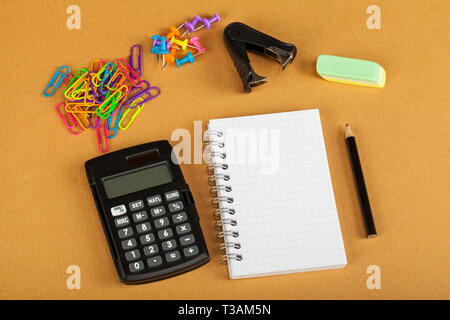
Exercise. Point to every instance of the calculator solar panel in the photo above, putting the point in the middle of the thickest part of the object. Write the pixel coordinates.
(147, 212)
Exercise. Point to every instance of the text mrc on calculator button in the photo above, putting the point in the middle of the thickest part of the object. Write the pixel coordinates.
(118, 210)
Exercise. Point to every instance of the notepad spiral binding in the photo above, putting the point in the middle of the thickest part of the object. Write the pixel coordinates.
(221, 193)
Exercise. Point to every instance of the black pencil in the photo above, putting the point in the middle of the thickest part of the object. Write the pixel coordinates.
(360, 184)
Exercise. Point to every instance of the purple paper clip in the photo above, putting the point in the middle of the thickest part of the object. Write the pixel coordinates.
(145, 95)
(138, 70)
(90, 119)
(99, 98)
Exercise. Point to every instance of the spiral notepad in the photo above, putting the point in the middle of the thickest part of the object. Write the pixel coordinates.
(272, 194)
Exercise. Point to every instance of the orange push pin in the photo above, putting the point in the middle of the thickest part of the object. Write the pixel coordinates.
(174, 32)
(170, 57)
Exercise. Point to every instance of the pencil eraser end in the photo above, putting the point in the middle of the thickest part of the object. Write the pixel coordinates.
(351, 71)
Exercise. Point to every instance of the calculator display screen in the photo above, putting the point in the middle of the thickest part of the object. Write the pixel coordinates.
(137, 180)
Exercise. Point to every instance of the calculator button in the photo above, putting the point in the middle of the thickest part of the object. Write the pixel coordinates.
(154, 261)
(183, 228)
(158, 211)
(136, 205)
(187, 240)
(122, 221)
(143, 227)
(191, 251)
(136, 266)
(128, 244)
(172, 195)
(169, 245)
(165, 234)
(140, 216)
(151, 250)
(132, 255)
(161, 222)
(125, 233)
(173, 256)
(147, 238)
(179, 217)
(118, 210)
(176, 206)
(154, 200)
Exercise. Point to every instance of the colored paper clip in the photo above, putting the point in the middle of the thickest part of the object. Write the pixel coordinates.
(82, 118)
(145, 95)
(118, 116)
(107, 75)
(68, 78)
(91, 116)
(55, 84)
(102, 137)
(135, 113)
(116, 81)
(74, 107)
(70, 127)
(76, 84)
(99, 98)
(129, 72)
(131, 59)
(96, 65)
(112, 101)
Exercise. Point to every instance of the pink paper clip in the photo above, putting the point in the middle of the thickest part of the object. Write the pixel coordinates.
(68, 78)
(128, 70)
(74, 128)
(102, 142)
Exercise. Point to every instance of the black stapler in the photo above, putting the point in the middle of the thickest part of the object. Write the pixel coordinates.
(240, 38)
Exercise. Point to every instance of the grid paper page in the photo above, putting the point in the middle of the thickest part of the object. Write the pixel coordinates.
(283, 197)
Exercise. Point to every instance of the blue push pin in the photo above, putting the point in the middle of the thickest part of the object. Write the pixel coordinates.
(161, 48)
(189, 58)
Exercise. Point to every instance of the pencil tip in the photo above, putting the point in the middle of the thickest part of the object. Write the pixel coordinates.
(346, 124)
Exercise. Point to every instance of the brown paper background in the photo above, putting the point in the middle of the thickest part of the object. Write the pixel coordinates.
(48, 218)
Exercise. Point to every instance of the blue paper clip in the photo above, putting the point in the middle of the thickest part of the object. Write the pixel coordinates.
(116, 126)
(53, 80)
(107, 75)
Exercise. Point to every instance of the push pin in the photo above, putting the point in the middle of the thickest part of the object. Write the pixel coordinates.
(189, 58)
(195, 42)
(170, 58)
(182, 43)
(174, 31)
(157, 48)
(207, 23)
(190, 26)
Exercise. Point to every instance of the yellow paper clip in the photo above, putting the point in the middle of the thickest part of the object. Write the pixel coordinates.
(134, 113)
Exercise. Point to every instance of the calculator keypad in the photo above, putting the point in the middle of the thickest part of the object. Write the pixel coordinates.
(136, 205)
(157, 234)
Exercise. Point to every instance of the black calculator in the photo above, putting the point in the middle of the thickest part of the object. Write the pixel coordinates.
(147, 212)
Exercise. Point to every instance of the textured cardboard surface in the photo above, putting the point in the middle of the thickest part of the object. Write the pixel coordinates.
(48, 218)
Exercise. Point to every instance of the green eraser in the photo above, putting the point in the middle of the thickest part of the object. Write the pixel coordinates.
(352, 71)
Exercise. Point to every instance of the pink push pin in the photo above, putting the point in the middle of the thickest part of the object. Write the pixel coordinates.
(195, 42)
(207, 23)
